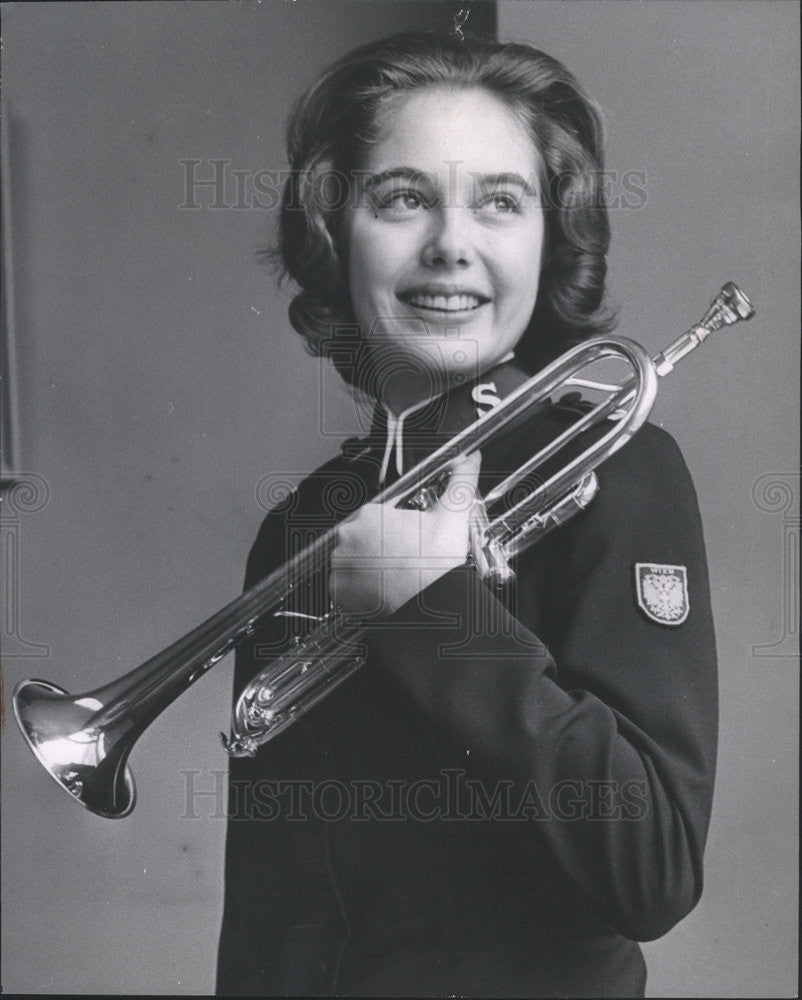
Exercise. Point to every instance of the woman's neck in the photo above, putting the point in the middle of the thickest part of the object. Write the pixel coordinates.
(403, 392)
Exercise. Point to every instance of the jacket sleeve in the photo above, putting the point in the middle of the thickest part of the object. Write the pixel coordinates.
(615, 720)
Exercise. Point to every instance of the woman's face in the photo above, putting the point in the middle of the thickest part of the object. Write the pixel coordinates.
(444, 235)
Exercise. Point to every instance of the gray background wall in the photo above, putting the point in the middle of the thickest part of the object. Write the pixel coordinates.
(159, 383)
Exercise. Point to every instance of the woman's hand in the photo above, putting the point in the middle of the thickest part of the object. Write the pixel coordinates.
(385, 555)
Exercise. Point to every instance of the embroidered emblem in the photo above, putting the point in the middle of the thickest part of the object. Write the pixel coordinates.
(486, 397)
(662, 592)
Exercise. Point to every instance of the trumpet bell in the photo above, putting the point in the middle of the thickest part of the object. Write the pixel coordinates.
(83, 758)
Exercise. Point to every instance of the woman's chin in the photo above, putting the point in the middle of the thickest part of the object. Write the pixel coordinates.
(445, 357)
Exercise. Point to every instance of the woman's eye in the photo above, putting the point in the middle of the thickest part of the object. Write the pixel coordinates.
(402, 201)
(502, 203)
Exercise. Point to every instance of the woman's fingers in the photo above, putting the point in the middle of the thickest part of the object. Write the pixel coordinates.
(385, 554)
(461, 489)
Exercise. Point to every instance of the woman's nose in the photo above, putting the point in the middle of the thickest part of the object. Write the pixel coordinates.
(448, 243)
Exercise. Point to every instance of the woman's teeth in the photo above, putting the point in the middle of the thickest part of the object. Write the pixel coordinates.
(445, 303)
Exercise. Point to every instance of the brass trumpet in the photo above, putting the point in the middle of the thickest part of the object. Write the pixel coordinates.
(84, 741)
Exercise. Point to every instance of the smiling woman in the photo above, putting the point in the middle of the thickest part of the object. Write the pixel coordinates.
(446, 236)
(517, 787)
(507, 131)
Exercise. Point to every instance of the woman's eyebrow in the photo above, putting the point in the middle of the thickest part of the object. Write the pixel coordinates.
(481, 182)
(505, 178)
(405, 173)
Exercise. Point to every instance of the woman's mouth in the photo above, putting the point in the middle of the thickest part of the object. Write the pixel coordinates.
(452, 303)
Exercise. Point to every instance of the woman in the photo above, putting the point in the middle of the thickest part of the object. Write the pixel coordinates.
(516, 788)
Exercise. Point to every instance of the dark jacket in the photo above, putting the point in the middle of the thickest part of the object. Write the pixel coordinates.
(517, 787)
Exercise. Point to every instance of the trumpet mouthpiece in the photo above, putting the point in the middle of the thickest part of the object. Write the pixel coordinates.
(729, 306)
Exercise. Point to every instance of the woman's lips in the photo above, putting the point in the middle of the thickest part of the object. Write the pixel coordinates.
(445, 303)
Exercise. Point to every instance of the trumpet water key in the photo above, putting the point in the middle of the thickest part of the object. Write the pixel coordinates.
(83, 741)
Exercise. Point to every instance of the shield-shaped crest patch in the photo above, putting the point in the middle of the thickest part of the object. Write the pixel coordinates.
(662, 592)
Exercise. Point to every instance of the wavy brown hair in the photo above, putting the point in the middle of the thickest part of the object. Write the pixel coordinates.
(336, 120)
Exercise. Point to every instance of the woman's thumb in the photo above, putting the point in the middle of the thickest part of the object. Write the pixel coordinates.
(461, 489)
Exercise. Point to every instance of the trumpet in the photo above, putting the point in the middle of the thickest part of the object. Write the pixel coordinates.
(83, 741)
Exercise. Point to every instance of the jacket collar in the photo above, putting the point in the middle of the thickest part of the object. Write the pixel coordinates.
(399, 441)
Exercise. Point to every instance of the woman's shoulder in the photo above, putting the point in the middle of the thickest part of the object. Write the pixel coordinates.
(646, 493)
(652, 460)
(645, 512)
(652, 447)
(645, 481)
